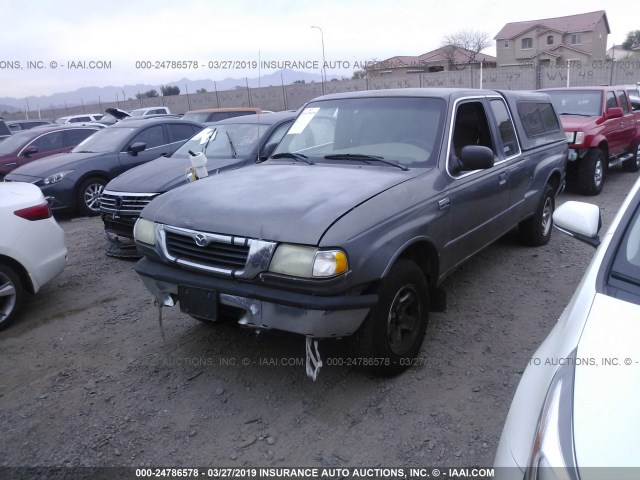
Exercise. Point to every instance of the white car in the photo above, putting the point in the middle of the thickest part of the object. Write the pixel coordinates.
(32, 246)
(84, 118)
(145, 112)
(576, 411)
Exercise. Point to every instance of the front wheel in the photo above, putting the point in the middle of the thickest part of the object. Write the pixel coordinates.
(391, 336)
(11, 295)
(88, 199)
(536, 231)
(591, 172)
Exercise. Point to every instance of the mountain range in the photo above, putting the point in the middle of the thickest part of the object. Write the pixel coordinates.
(90, 95)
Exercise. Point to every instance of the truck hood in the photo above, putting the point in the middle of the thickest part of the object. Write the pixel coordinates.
(574, 123)
(606, 396)
(55, 163)
(162, 175)
(293, 203)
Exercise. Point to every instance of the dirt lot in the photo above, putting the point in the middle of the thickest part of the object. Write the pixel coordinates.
(87, 381)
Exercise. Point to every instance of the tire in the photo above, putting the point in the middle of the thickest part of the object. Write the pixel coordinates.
(11, 295)
(88, 196)
(381, 345)
(536, 231)
(591, 172)
(633, 164)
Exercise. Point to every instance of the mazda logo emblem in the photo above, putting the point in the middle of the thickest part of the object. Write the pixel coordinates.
(201, 240)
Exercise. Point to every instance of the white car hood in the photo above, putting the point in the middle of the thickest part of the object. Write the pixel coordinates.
(607, 397)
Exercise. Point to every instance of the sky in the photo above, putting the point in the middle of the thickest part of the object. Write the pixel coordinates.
(44, 40)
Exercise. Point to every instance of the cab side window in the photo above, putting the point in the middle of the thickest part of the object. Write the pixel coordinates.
(622, 98)
(611, 100)
(471, 127)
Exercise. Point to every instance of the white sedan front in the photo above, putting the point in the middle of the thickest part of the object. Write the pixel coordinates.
(575, 413)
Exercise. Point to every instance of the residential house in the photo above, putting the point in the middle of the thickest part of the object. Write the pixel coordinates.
(442, 59)
(560, 40)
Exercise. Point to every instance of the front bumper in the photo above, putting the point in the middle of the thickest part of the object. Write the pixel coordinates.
(264, 307)
(121, 225)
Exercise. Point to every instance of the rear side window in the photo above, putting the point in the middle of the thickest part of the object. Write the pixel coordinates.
(179, 132)
(537, 118)
(71, 138)
(505, 127)
(151, 137)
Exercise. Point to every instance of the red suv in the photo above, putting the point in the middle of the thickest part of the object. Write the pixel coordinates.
(602, 131)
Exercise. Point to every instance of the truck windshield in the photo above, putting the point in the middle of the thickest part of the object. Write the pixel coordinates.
(587, 103)
(403, 130)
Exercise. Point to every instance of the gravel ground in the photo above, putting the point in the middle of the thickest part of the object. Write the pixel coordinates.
(87, 381)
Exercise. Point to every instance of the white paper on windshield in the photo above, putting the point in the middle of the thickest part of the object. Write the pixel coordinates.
(303, 120)
(205, 135)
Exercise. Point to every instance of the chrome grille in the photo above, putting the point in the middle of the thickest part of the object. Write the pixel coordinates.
(215, 254)
(125, 203)
(222, 254)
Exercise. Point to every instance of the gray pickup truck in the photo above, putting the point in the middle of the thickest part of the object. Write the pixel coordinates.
(368, 203)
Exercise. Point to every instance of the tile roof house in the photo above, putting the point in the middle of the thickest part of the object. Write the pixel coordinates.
(581, 38)
(442, 59)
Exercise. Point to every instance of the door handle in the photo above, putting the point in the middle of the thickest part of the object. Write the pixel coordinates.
(502, 178)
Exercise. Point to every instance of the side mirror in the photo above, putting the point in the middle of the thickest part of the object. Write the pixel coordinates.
(30, 150)
(614, 112)
(266, 151)
(579, 220)
(475, 157)
(136, 148)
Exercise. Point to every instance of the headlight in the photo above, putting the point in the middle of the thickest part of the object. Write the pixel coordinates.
(144, 231)
(570, 136)
(579, 138)
(553, 455)
(56, 177)
(308, 262)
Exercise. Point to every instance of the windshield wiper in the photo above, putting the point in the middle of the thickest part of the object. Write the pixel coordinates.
(233, 149)
(577, 114)
(364, 158)
(84, 151)
(295, 156)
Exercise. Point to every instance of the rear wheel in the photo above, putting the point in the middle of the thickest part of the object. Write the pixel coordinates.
(89, 193)
(536, 230)
(591, 172)
(11, 295)
(633, 164)
(392, 334)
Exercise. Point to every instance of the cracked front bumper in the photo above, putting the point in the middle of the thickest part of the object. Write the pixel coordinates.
(263, 307)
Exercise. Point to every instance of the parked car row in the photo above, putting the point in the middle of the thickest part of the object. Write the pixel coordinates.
(228, 144)
(75, 180)
(344, 219)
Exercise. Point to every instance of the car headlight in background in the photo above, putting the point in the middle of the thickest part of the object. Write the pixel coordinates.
(144, 231)
(575, 138)
(308, 262)
(553, 455)
(56, 177)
